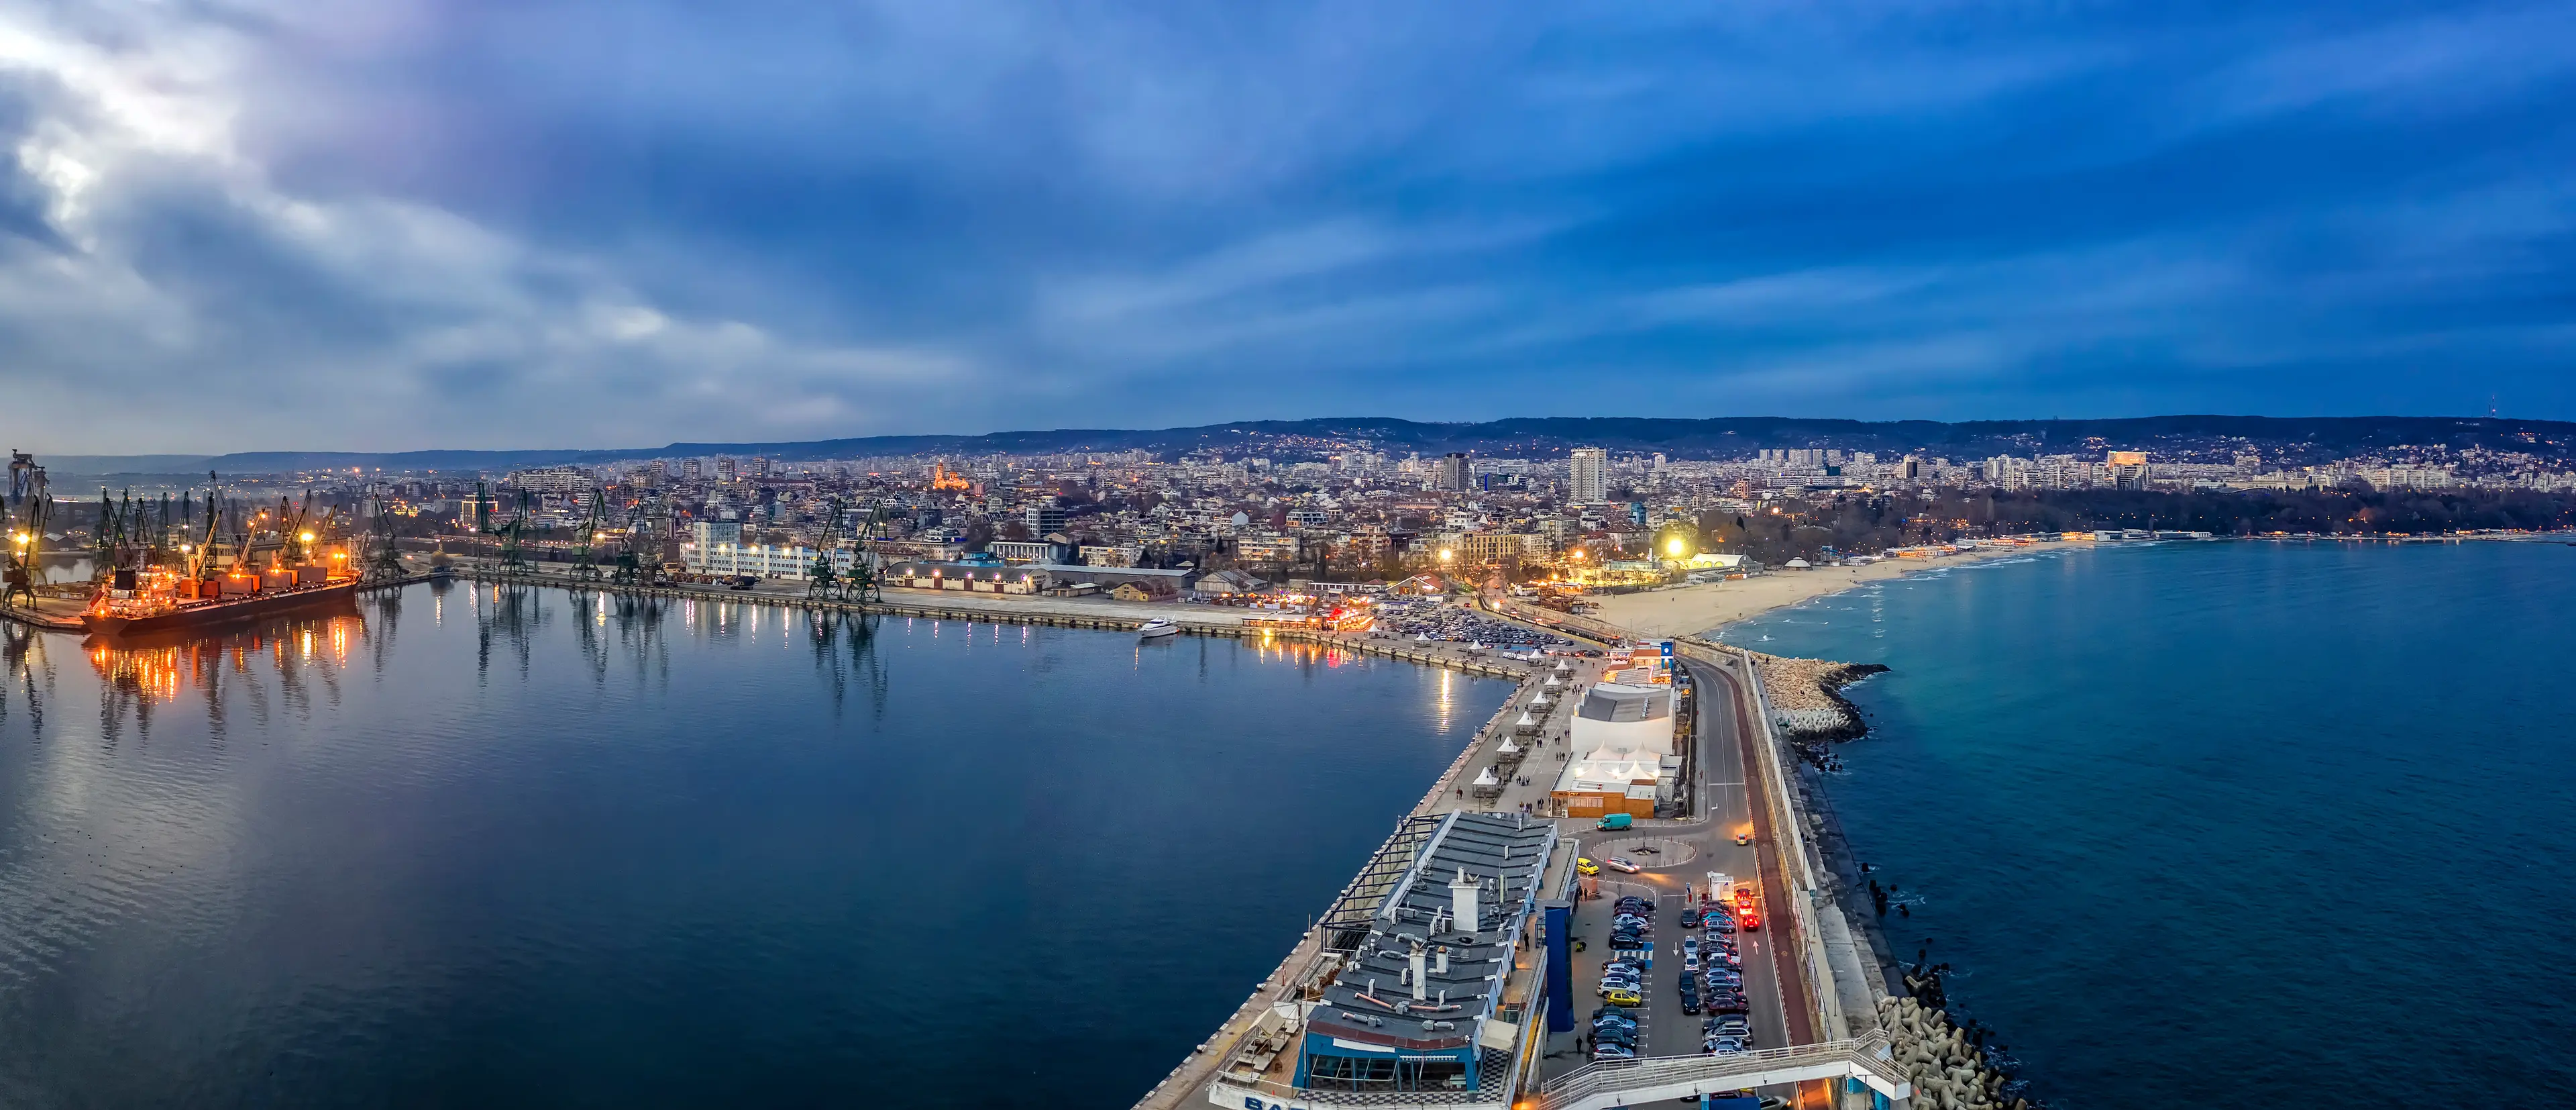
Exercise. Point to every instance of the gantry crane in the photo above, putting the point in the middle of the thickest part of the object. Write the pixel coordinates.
(820, 581)
(585, 540)
(631, 569)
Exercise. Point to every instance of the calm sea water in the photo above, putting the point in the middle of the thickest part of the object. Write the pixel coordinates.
(2232, 823)
(463, 848)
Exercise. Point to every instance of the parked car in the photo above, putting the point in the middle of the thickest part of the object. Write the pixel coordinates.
(1719, 923)
(1690, 946)
(1622, 997)
(1633, 902)
(1613, 1052)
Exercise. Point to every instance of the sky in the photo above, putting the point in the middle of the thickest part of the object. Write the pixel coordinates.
(398, 224)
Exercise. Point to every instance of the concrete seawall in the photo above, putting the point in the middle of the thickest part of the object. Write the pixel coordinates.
(1047, 612)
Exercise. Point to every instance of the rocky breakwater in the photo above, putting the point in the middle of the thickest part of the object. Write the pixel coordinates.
(1806, 696)
(1807, 705)
(1948, 1064)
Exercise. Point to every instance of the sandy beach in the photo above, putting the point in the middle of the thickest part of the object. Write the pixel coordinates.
(1693, 610)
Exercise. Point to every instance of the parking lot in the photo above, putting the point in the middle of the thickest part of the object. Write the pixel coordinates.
(1662, 1026)
(1408, 619)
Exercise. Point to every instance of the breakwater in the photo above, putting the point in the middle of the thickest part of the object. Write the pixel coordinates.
(1806, 696)
(1948, 1063)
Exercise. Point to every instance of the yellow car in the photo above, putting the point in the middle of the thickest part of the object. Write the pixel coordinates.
(1622, 997)
(1583, 866)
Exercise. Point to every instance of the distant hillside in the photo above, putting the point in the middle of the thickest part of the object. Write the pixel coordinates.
(1721, 437)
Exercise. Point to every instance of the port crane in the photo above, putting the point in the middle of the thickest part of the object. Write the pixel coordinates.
(861, 584)
(630, 568)
(383, 561)
(585, 540)
(32, 508)
(820, 581)
(513, 561)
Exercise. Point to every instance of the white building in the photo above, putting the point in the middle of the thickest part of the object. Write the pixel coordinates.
(1588, 473)
(759, 560)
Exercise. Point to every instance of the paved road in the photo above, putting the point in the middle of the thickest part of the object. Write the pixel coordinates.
(1667, 1031)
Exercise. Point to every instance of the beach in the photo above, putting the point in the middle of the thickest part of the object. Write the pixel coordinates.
(1696, 610)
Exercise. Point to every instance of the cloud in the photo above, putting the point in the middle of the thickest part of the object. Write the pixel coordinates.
(396, 223)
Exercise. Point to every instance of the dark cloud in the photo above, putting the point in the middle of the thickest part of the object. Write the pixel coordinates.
(489, 224)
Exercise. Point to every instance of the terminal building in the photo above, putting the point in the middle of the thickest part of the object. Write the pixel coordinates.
(1440, 971)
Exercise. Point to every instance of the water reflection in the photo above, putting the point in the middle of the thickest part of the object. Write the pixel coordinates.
(302, 654)
(302, 657)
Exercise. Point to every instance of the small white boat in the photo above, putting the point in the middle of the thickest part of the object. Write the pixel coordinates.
(1153, 628)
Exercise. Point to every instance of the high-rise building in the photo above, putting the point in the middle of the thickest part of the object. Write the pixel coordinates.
(2126, 469)
(1454, 471)
(725, 471)
(1589, 471)
(1043, 518)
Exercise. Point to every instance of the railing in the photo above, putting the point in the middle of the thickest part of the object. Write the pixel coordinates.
(1656, 1078)
(1500, 1087)
(1586, 627)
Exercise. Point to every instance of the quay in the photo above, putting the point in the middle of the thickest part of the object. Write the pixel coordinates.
(1815, 1000)
(1092, 613)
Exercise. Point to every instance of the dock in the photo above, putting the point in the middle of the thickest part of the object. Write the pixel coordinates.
(1099, 614)
(1814, 1004)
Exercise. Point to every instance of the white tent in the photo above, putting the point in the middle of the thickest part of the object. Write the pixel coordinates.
(1508, 747)
(1486, 778)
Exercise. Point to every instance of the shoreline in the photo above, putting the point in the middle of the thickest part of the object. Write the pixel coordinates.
(1706, 610)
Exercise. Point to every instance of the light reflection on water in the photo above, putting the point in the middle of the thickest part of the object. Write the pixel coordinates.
(486, 844)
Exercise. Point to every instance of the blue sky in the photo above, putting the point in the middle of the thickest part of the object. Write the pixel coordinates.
(371, 224)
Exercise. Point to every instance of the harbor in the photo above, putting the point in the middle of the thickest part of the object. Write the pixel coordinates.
(1811, 1028)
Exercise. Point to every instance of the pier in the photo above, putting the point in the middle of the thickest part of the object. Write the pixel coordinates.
(1815, 999)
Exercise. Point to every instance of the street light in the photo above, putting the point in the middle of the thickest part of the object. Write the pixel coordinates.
(1674, 547)
(1446, 554)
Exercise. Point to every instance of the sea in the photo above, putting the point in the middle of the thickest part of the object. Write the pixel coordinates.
(479, 846)
(2229, 823)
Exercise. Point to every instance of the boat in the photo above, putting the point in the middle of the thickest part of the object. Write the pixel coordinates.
(140, 613)
(1158, 627)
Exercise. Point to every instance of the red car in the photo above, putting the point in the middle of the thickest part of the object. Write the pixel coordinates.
(1751, 921)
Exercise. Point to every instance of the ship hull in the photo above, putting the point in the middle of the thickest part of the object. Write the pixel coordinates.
(214, 613)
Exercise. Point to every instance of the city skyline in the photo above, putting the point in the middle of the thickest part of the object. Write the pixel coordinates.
(390, 225)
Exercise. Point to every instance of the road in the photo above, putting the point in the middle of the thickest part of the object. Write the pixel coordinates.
(1778, 1015)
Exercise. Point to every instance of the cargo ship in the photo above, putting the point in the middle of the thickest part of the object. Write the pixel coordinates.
(136, 603)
